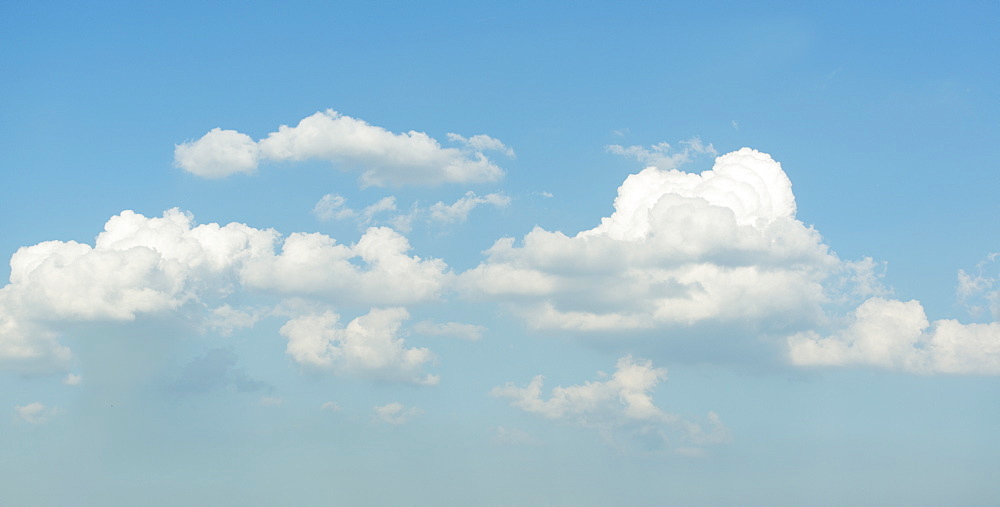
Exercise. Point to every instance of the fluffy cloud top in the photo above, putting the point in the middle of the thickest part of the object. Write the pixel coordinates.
(384, 158)
(623, 400)
(368, 346)
(679, 249)
(141, 265)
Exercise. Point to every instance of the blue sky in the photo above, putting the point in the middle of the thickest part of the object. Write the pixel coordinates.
(438, 254)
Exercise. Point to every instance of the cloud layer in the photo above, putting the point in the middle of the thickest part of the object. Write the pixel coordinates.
(384, 158)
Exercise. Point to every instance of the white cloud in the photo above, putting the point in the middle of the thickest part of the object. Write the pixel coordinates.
(332, 207)
(897, 335)
(679, 249)
(72, 380)
(396, 413)
(35, 413)
(314, 264)
(142, 265)
(218, 154)
(369, 346)
(383, 157)
(470, 332)
(513, 436)
(622, 401)
(331, 406)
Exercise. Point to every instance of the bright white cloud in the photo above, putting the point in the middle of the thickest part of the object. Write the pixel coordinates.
(218, 154)
(470, 332)
(623, 400)
(141, 265)
(679, 249)
(35, 413)
(897, 335)
(369, 346)
(384, 158)
(396, 413)
(72, 379)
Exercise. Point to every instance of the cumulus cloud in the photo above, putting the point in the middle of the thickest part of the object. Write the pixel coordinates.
(624, 400)
(384, 158)
(470, 332)
(72, 379)
(679, 249)
(395, 413)
(141, 266)
(369, 346)
(35, 413)
(897, 335)
(218, 154)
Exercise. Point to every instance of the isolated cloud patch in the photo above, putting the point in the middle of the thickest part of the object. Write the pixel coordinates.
(384, 158)
(395, 413)
(623, 401)
(679, 249)
(368, 347)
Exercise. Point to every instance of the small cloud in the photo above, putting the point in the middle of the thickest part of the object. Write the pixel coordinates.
(331, 406)
(35, 413)
(72, 380)
(547, 195)
(620, 132)
(736, 125)
(396, 413)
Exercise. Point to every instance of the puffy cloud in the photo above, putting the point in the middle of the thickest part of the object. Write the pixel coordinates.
(314, 264)
(35, 413)
(141, 265)
(679, 249)
(622, 401)
(72, 379)
(383, 157)
(218, 154)
(897, 335)
(368, 346)
(395, 413)
(470, 332)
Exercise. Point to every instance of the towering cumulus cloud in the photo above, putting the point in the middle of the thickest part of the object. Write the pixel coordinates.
(383, 157)
(679, 249)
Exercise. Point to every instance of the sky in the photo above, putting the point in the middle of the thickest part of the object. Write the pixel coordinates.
(436, 253)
